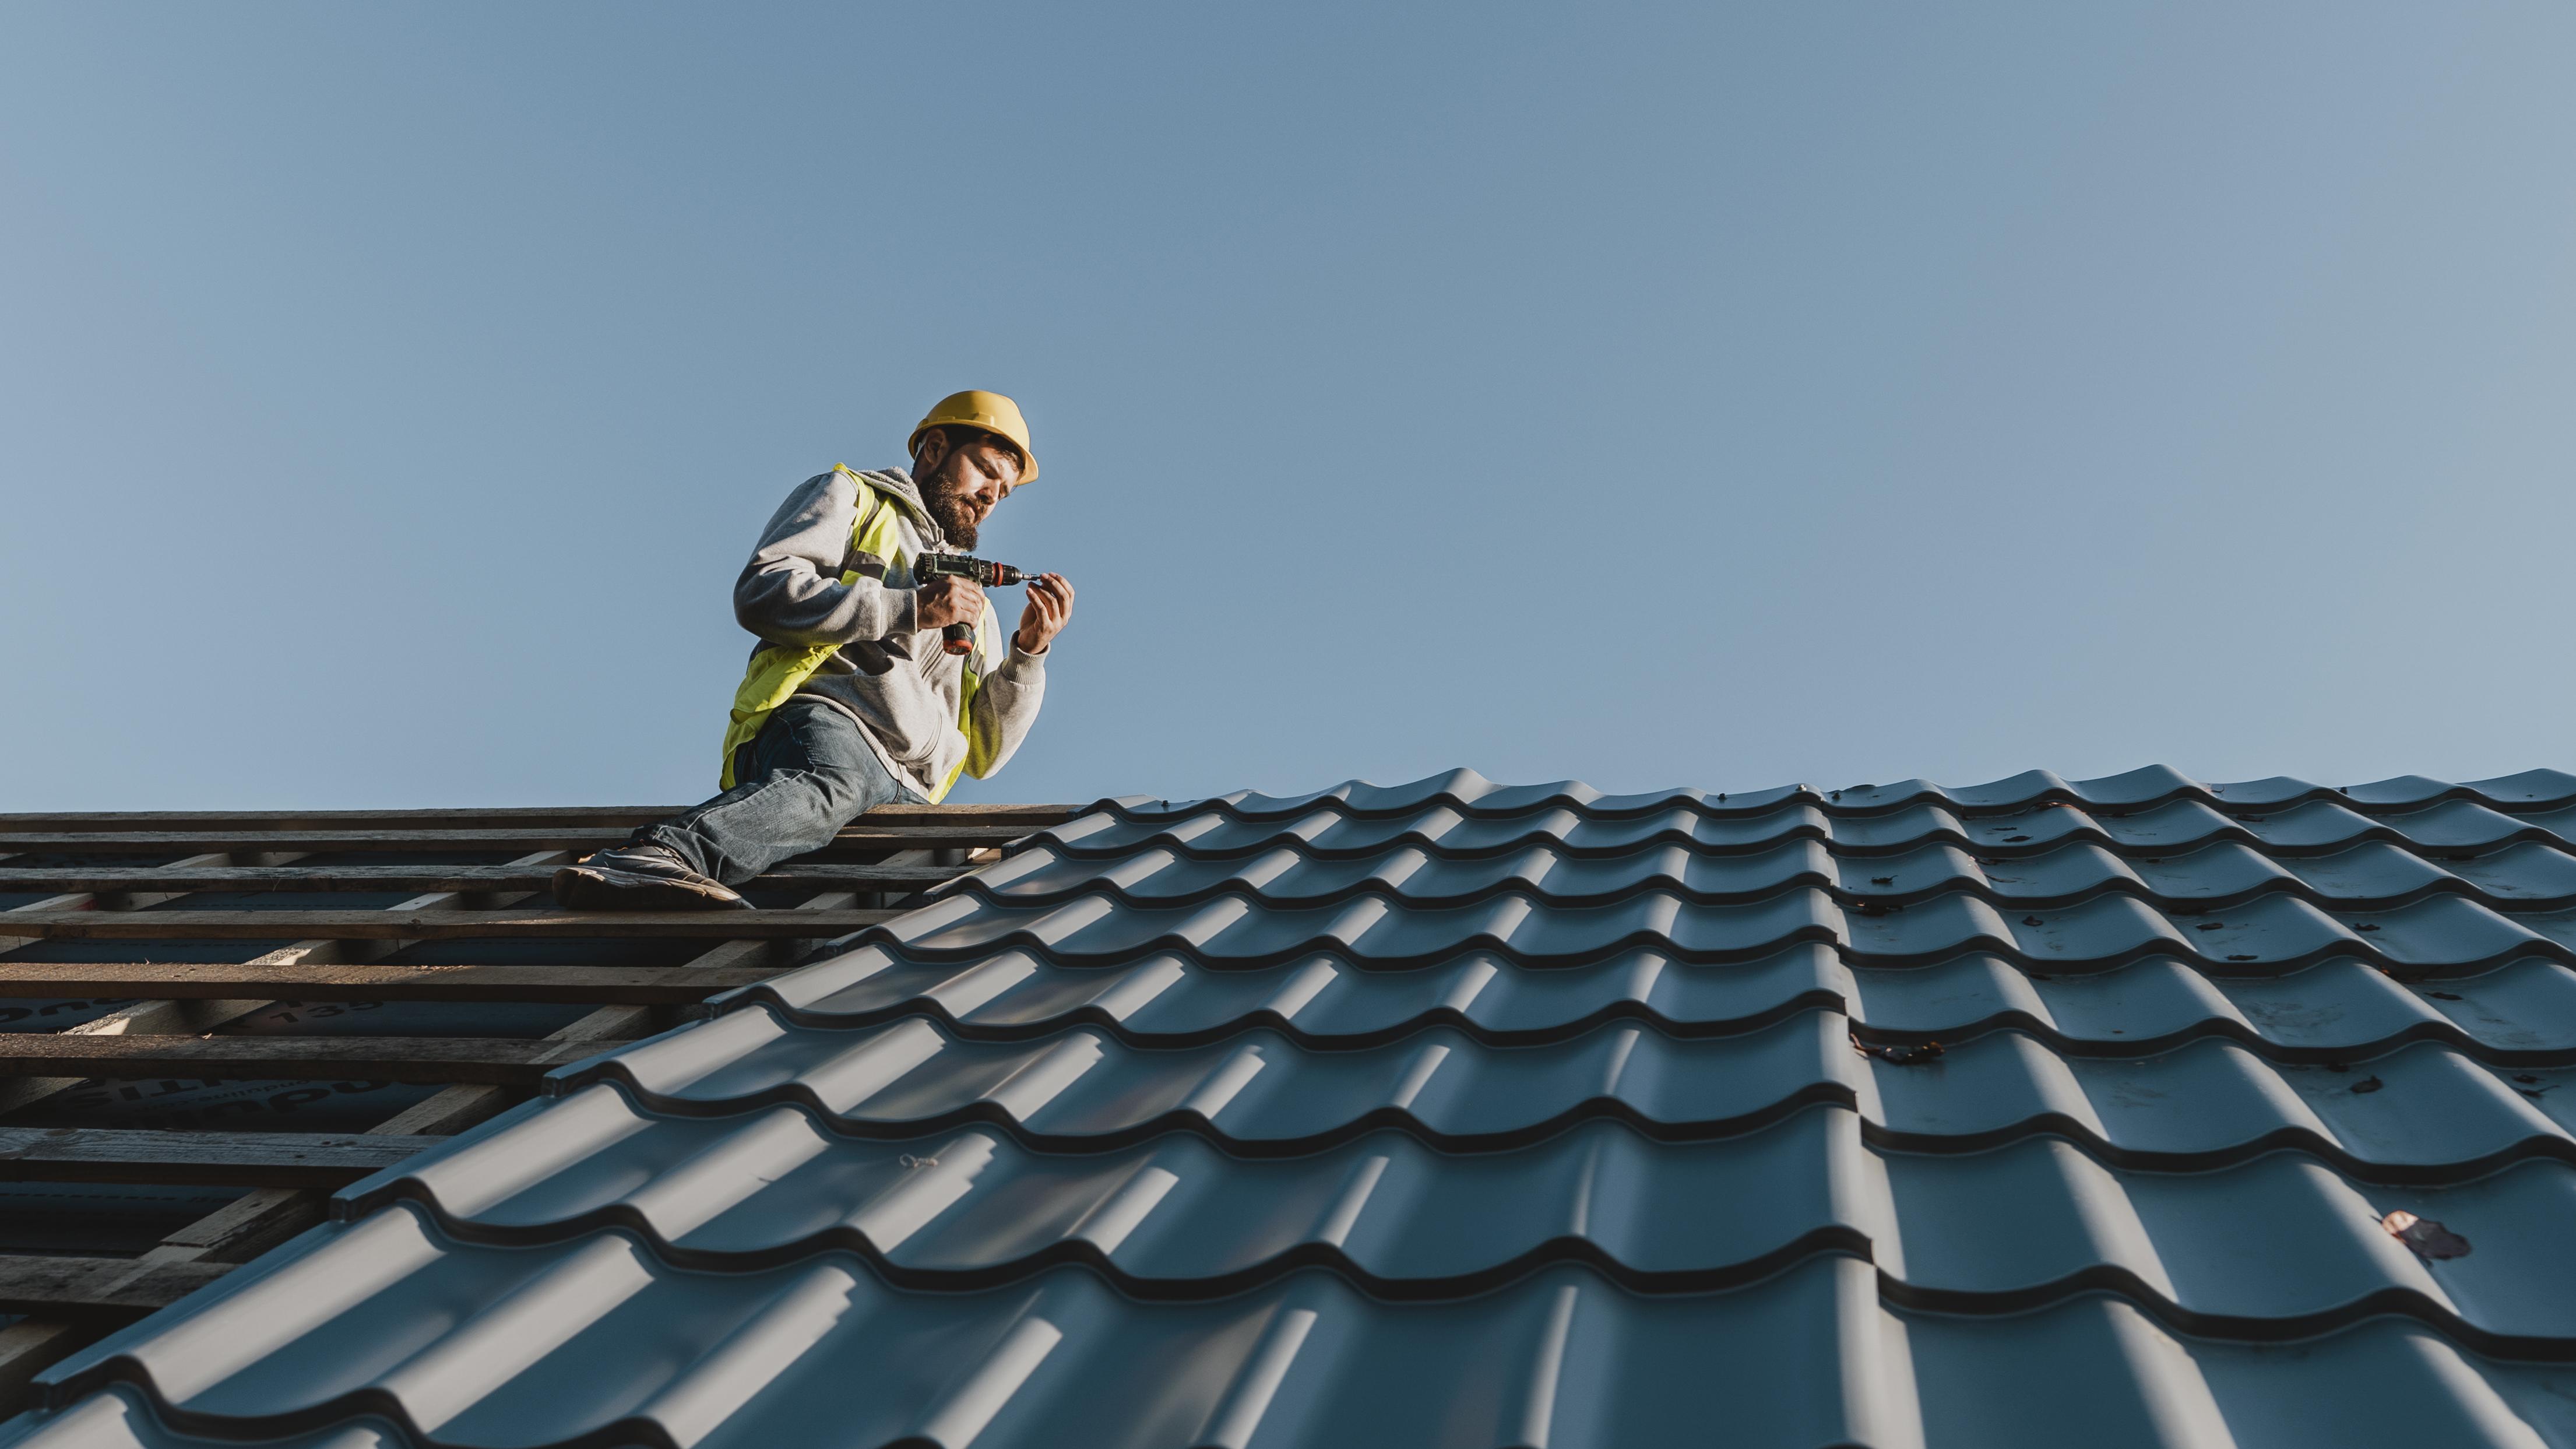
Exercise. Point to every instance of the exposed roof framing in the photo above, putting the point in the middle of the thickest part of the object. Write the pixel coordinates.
(248, 940)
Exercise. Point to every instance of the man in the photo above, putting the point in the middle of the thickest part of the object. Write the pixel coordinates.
(850, 700)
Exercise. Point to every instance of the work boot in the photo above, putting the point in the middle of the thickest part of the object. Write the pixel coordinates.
(641, 878)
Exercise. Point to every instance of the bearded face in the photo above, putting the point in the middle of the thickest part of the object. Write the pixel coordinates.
(953, 505)
(961, 484)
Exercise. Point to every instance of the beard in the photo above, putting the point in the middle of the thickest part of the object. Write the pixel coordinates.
(956, 520)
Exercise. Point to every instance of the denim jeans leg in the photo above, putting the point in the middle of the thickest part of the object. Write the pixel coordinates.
(812, 772)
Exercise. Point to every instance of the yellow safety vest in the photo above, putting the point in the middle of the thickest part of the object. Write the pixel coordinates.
(775, 673)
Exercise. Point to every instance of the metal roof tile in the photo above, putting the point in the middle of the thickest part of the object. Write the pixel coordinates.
(822, 1351)
(2278, 1237)
(2341, 1003)
(1457, 1113)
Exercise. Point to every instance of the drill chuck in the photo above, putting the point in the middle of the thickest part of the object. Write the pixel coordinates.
(960, 638)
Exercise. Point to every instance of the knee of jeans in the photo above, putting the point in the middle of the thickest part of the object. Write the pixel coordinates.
(853, 787)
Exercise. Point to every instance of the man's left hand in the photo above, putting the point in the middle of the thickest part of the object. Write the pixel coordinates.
(1050, 605)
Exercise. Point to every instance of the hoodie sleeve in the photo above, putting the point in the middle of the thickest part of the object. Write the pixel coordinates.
(791, 591)
(999, 716)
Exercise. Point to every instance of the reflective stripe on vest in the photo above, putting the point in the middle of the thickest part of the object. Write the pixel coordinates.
(777, 672)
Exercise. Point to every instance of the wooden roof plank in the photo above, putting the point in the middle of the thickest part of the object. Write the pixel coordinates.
(587, 817)
(98, 878)
(503, 1062)
(436, 925)
(118, 1288)
(164, 981)
(247, 1159)
(902, 837)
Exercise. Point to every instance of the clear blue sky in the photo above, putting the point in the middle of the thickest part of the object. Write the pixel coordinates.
(1655, 394)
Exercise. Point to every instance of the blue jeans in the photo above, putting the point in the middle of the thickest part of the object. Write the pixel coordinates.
(809, 773)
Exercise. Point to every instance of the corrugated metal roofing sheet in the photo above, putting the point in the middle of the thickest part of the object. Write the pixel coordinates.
(2124, 1111)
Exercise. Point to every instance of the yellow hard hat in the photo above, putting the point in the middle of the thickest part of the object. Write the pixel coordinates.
(990, 411)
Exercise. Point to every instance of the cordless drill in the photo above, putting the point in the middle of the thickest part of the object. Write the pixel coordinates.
(959, 638)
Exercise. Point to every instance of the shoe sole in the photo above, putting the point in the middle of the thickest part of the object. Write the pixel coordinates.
(605, 888)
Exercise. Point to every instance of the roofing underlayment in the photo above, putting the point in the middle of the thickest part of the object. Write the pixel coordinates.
(2129, 1111)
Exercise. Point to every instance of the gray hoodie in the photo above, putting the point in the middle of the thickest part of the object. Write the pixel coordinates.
(888, 674)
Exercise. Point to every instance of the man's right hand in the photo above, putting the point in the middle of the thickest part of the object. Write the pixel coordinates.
(947, 600)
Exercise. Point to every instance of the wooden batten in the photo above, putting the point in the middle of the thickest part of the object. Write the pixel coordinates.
(168, 1015)
(513, 838)
(619, 818)
(108, 876)
(600, 985)
(436, 925)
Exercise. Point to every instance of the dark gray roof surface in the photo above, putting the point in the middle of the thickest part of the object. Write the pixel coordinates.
(2126, 1111)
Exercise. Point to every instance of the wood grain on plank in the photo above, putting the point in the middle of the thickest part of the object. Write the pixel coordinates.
(435, 925)
(32, 1284)
(586, 817)
(110, 877)
(167, 981)
(497, 1061)
(132, 842)
(250, 1159)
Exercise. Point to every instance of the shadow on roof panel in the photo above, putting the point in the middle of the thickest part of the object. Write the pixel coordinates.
(823, 1352)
